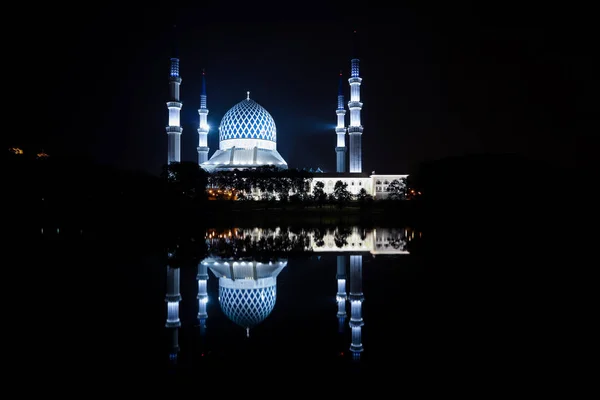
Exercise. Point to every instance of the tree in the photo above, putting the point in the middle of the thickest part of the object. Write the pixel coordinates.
(341, 193)
(397, 190)
(186, 178)
(319, 193)
(363, 197)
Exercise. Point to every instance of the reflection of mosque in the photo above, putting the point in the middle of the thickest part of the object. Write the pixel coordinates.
(248, 288)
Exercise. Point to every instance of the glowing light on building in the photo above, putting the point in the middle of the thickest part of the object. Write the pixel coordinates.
(341, 296)
(172, 299)
(340, 131)
(247, 120)
(202, 278)
(356, 299)
(247, 137)
(203, 127)
(174, 129)
(355, 129)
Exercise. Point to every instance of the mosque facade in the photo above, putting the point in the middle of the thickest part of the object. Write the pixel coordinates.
(248, 138)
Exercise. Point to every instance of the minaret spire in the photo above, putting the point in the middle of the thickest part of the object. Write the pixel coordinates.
(203, 127)
(174, 105)
(355, 129)
(340, 130)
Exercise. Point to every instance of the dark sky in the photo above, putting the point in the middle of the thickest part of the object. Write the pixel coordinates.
(437, 80)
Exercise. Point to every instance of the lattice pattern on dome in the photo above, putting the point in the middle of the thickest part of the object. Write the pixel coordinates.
(247, 307)
(247, 120)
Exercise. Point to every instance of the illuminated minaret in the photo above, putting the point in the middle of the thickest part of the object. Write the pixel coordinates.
(341, 296)
(172, 299)
(356, 299)
(174, 105)
(355, 129)
(202, 278)
(340, 130)
(203, 126)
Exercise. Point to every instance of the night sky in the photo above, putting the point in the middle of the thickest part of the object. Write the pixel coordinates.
(437, 80)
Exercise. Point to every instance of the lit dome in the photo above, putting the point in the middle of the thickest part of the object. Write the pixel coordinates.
(247, 125)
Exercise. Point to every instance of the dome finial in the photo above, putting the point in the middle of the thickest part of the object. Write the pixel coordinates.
(248, 95)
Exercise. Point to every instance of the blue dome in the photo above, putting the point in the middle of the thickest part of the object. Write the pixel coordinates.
(247, 120)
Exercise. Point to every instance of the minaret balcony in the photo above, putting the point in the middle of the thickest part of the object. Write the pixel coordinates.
(203, 297)
(356, 130)
(356, 323)
(355, 80)
(174, 104)
(203, 111)
(173, 324)
(173, 297)
(355, 104)
(356, 297)
(176, 79)
(174, 129)
(340, 111)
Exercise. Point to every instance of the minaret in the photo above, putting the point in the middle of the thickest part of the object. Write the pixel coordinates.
(356, 299)
(341, 296)
(340, 130)
(202, 278)
(174, 105)
(172, 299)
(354, 105)
(203, 126)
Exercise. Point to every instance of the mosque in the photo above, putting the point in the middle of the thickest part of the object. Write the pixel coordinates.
(248, 137)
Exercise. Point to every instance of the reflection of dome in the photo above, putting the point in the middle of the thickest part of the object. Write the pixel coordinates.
(250, 121)
(247, 289)
(247, 307)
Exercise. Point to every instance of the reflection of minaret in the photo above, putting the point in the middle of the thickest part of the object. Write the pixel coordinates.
(173, 298)
(341, 296)
(356, 299)
(202, 278)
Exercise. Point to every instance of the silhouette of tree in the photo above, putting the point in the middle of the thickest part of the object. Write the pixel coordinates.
(341, 195)
(319, 193)
(397, 190)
